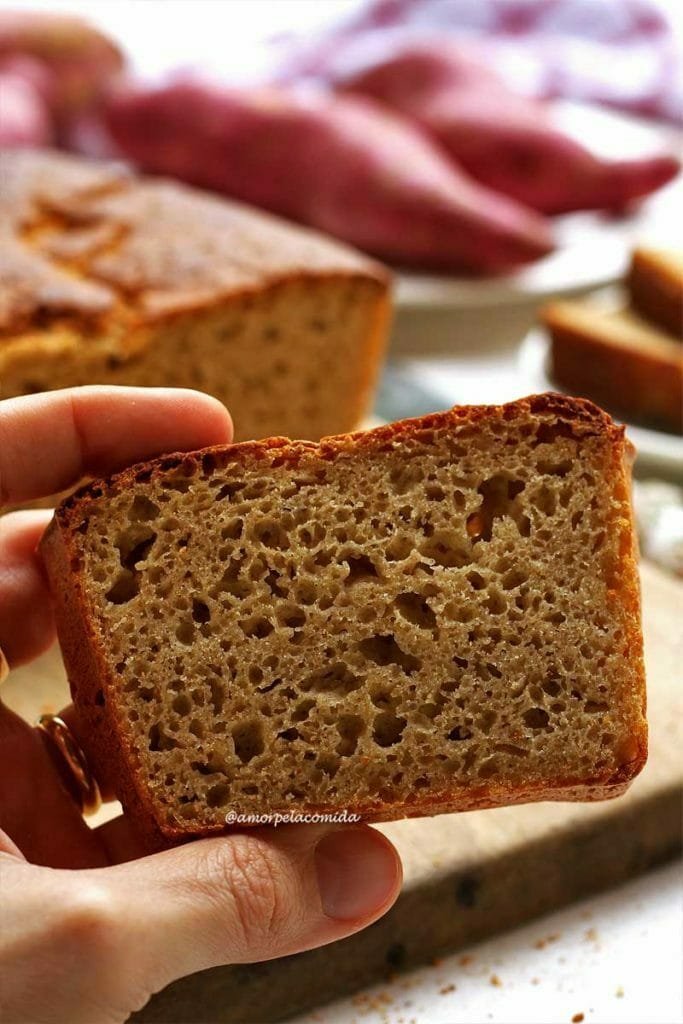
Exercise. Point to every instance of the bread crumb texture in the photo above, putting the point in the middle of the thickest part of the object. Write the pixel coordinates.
(427, 616)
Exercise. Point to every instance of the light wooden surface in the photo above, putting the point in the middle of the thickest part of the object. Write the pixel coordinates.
(467, 876)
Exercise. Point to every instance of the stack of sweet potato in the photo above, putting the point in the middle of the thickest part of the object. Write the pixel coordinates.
(424, 158)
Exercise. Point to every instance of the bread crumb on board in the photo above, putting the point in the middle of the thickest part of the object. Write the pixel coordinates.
(542, 943)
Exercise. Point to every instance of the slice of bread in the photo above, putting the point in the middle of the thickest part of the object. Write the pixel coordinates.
(618, 359)
(433, 616)
(110, 279)
(655, 286)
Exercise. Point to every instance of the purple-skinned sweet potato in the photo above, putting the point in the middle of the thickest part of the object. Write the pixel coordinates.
(506, 141)
(342, 165)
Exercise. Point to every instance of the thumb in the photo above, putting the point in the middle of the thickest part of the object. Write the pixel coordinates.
(252, 896)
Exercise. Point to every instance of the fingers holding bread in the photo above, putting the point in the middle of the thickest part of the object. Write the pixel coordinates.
(26, 624)
(51, 441)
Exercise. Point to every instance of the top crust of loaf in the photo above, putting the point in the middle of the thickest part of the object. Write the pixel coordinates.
(84, 240)
(582, 417)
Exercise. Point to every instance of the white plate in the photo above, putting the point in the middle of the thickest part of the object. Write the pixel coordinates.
(593, 248)
(658, 453)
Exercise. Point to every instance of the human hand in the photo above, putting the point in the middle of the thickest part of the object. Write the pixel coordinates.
(91, 945)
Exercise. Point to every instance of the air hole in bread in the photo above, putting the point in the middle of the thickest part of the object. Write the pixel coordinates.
(291, 616)
(159, 739)
(488, 769)
(598, 541)
(289, 735)
(514, 579)
(399, 548)
(182, 704)
(329, 764)
(350, 729)
(486, 721)
(549, 432)
(414, 609)
(302, 710)
(200, 611)
(536, 718)
(552, 687)
(595, 707)
(229, 490)
(387, 729)
(434, 492)
(125, 587)
(218, 795)
(361, 568)
(134, 545)
(217, 699)
(177, 483)
(142, 509)
(338, 678)
(545, 500)
(551, 468)
(248, 739)
(446, 548)
(256, 626)
(185, 632)
(233, 529)
(498, 499)
(495, 603)
(384, 650)
(404, 476)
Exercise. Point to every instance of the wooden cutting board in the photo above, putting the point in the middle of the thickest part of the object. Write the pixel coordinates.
(468, 875)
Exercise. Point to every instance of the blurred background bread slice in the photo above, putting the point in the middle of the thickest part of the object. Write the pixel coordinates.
(618, 359)
(655, 287)
(629, 359)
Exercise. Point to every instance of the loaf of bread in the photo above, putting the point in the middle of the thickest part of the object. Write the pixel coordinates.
(432, 616)
(632, 367)
(655, 285)
(105, 278)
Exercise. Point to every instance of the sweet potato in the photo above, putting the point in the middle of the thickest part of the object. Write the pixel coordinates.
(78, 60)
(505, 141)
(341, 165)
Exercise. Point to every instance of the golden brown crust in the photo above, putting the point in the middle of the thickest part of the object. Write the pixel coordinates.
(86, 669)
(635, 371)
(581, 415)
(89, 672)
(83, 240)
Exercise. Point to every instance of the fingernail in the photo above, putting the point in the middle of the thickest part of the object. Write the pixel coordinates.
(357, 870)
